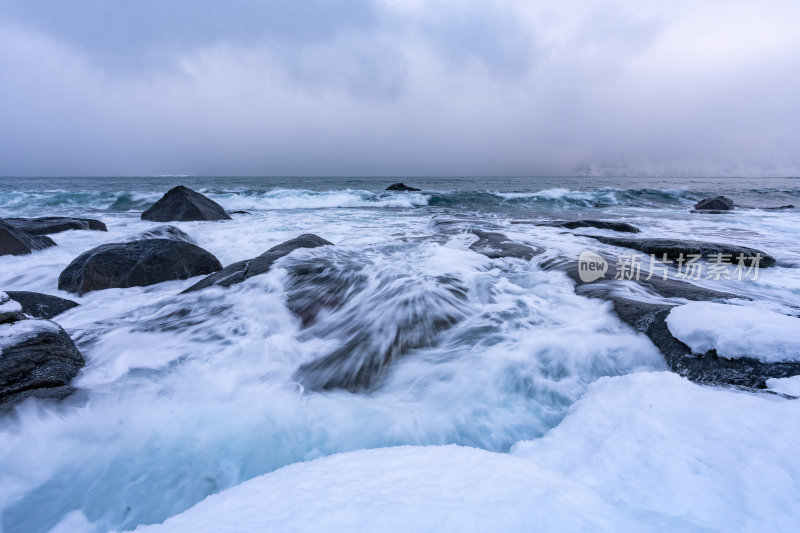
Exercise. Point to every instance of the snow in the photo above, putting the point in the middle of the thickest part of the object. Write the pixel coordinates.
(406, 488)
(16, 332)
(736, 331)
(648, 451)
(8, 306)
(719, 459)
(789, 386)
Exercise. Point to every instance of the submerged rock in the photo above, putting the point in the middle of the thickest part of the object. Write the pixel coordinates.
(134, 264)
(17, 242)
(718, 203)
(401, 187)
(496, 245)
(37, 359)
(242, 270)
(623, 227)
(183, 204)
(163, 232)
(374, 318)
(47, 225)
(674, 249)
(38, 305)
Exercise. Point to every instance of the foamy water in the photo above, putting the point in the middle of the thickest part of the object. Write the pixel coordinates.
(186, 395)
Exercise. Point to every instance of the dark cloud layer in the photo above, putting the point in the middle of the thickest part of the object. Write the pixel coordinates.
(395, 87)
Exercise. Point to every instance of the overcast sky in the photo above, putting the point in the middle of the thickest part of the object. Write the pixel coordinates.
(399, 87)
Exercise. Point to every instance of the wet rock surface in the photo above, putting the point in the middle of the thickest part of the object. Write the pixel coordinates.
(184, 205)
(38, 305)
(718, 203)
(136, 263)
(163, 232)
(622, 227)
(401, 187)
(242, 270)
(497, 245)
(17, 242)
(49, 225)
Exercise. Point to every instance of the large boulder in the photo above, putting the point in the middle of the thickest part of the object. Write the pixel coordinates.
(136, 264)
(401, 187)
(38, 305)
(718, 203)
(675, 249)
(16, 242)
(183, 204)
(47, 225)
(37, 359)
(242, 270)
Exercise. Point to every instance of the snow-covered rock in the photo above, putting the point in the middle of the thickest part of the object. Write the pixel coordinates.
(736, 331)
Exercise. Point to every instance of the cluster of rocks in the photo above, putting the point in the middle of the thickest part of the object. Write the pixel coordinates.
(38, 358)
(648, 315)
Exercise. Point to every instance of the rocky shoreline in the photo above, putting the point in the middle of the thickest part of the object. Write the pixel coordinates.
(39, 359)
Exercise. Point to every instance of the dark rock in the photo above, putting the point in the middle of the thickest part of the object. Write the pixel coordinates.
(242, 270)
(163, 232)
(135, 264)
(778, 208)
(496, 245)
(599, 224)
(674, 249)
(16, 242)
(230, 275)
(37, 359)
(264, 262)
(184, 204)
(708, 368)
(400, 187)
(47, 225)
(38, 305)
(718, 203)
(239, 212)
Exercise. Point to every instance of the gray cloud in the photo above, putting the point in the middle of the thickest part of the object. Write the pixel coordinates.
(398, 87)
